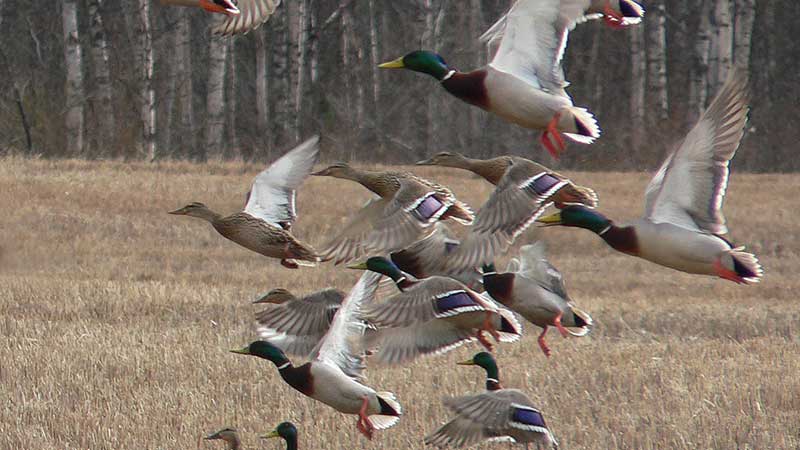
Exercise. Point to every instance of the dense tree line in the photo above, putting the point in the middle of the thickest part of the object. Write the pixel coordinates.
(134, 79)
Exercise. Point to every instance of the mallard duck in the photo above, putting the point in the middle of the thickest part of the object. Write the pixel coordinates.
(424, 258)
(524, 190)
(334, 374)
(495, 414)
(534, 289)
(296, 325)
(287, 431)
(683, 224)
(229, 435)
(524, 83)
(264, 225)
(242, 16)
(431, 316)
(617, 13)
(408, 206)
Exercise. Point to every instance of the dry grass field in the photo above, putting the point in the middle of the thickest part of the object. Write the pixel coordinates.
(116, 321)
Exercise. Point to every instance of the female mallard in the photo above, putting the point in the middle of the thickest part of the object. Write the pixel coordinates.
(408, 206)
(524, 190)
(263, 226)
(242, 16)
(524, 83)
(495, 414)
(229, 435)
(296, 325)
(431, 316)
(334, 374)
(683, 220)
(287, 431)
(534, 289)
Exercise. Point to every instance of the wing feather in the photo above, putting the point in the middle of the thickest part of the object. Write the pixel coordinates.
(252, 13)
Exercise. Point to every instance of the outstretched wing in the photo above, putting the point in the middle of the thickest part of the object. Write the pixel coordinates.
(689, 188)
(535, 266)
(340, 344)
(272, 196)
(252, 13)
(296, 326)
(534, 36)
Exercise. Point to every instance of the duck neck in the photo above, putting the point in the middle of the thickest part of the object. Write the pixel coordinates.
(622, 239)
(207, 214)
(400, 280)
(380, 183)
(492, 377)
(291, 443)
(492, 170)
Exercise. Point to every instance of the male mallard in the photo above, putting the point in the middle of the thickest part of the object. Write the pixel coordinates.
(229, 435)
(296, 325)
(425, 257)
(242, 16)
(408, 206)
(524, 83)
(524, 190)
(683, 220)
(287, 431)
(334, 374)
(534, 289)
(495, 414)
(431, 316)
(263, 226)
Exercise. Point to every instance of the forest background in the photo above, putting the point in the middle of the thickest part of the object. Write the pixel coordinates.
(132, 79)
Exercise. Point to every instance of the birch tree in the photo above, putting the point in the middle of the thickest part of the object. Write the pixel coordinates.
(638, 82)
(656, 62)
(74, 91)
(183, 62)
(722, 45)
(231, 147)
(102, 95)
(743, 31)
(147, 107)
(215, 98)
(262, 88)
(698, 70)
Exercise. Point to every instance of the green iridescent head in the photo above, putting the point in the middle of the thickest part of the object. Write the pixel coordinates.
(265, 350)
(285, 430)
(420, 61)
(578, 216)
(380, 265)
(486, 361)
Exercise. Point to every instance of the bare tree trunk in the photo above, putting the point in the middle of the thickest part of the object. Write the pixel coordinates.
(377, 109)
(722, 45)
(698, 71)
(148, 105)
(743, 32)
(280, 86)
(262, 92)
(345, 49)
(215, 98)
(183, 50)
(75, 95)
(657, 62)
(231, 147)
(302, 64)
(102, 95)
(638, 82)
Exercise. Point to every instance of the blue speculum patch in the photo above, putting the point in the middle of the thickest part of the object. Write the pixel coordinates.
(542, 184)
(454, 301)
(528, 417)
(428, 208)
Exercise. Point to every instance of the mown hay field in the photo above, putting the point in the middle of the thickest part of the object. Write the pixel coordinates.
(116, 321)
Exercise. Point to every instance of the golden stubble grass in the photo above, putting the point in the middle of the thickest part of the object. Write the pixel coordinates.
(117, 319)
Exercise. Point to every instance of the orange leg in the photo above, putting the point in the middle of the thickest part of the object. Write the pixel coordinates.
(488, 327)
(557, 324)
(485, 342)
(612, 18)
(364, 425)
(551, 137)
(543, 344)
(725, 273)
